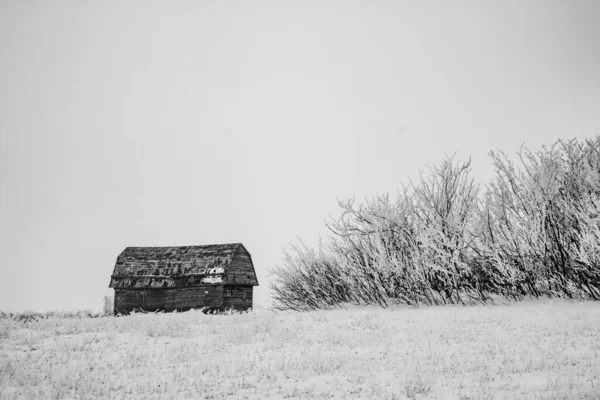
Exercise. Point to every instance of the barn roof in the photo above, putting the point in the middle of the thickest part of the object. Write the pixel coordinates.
(165, 267)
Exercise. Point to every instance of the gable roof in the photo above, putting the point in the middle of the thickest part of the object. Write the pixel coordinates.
(167, 267)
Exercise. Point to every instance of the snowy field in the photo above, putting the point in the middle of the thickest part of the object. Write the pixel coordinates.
(531, 350)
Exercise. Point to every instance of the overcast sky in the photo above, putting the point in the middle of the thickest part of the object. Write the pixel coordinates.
(154, 123)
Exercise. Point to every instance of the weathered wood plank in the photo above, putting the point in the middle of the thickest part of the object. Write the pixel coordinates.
(127, 300)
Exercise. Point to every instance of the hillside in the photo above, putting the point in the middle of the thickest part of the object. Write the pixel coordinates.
(538, 349)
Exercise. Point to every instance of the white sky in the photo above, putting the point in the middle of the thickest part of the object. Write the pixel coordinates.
(148, 123)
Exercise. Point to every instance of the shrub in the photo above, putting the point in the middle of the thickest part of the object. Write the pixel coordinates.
(108, 305)
(542, 219)
(534, 230)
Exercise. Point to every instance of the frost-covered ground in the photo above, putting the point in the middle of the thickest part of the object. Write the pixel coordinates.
(531, 350)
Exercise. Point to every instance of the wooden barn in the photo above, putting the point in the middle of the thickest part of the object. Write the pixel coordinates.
(217, 276)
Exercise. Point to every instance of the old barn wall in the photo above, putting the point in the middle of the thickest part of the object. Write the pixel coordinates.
(170, 299)
(238, 297)
(241, 271)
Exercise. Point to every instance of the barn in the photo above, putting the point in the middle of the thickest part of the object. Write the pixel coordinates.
(219, 276)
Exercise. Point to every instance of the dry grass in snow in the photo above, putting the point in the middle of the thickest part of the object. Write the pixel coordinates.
(531, 350)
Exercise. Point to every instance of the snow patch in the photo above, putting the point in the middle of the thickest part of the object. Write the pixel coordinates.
(215, 270)
(212, 279)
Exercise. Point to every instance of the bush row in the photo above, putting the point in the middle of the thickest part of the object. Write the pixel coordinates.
(532, 231)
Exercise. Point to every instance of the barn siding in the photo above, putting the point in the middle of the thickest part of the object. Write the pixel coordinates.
(238, 297)
(241, 270)
(181, 299)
